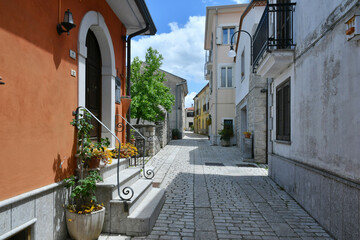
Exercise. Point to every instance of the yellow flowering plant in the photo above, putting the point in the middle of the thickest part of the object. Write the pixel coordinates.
(102, 154)
(127, 150)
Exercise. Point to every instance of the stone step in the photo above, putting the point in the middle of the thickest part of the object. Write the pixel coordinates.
(141, 221)
(111, 169)
(141, 188)
(126, 178)
(107, 190)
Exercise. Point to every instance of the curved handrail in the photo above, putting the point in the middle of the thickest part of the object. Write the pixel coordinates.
(149, 174)
(126, 190)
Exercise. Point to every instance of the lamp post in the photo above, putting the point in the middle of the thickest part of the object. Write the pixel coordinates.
(232, 52)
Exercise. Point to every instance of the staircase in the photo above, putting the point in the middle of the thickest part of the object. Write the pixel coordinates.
(132, 204)
(134, 217)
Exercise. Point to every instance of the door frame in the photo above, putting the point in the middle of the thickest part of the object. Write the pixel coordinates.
(95, 21)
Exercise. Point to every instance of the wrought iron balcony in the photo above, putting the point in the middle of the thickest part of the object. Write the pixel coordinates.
(274, 32)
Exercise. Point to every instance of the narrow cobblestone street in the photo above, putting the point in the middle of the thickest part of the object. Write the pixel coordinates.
(205, 201)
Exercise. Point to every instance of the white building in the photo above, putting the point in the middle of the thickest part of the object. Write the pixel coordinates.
(309, 53)
(221, 23)
(250, 97)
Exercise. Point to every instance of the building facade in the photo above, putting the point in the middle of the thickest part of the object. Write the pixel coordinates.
(189, 118)
(59, 72)
(221, 23)
(250, 97)
(202, 118)
(310, 64)
(178, 87)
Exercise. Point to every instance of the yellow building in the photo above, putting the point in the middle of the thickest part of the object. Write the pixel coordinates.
(201, 110)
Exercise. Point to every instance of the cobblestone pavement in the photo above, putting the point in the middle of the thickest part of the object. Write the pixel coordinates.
(223, 202)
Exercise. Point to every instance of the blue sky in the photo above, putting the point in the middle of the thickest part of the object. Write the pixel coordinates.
(180, 38)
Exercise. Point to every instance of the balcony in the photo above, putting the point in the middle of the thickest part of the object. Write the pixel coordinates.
(207, 73)
(273, 41)
(209, 59)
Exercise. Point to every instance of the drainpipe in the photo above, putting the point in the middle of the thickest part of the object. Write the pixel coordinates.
(128, 70)
(216, 86)
(269, 119)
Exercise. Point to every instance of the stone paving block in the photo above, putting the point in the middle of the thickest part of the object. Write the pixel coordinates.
(212, 202)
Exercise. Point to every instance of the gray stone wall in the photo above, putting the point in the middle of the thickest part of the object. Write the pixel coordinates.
(256, 110)
(42, 210)
(156, 137)
(332, 200)
(255, 104)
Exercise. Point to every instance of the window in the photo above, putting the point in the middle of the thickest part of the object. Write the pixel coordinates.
(243, 65)
(117, 89)
(283, 111)
(226, 77)
(228, 123)
(190, 114)
(227, 33)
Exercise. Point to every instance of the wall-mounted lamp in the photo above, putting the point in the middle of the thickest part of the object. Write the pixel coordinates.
(232, 52)
(68, 23)
(1, 83)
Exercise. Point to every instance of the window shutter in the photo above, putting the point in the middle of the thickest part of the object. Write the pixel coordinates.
(218, 35)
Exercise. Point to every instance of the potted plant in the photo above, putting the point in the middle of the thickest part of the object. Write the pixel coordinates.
(84, 216)
(127, 150)
(125, 101)
(175, 133)
(247, 134)
(225, 135)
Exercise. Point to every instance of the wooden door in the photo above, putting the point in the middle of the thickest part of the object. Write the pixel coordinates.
(93, 82)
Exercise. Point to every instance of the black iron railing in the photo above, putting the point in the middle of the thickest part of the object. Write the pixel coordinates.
(149, 173)
(275, 30)
(127, 192)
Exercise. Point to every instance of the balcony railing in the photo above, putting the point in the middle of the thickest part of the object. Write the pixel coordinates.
(275, 30)
(208, 56)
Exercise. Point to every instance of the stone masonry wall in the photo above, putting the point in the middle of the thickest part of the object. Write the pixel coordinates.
(155, 137)
(256, 110)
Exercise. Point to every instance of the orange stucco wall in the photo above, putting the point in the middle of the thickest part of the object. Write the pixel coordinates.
(37, 101)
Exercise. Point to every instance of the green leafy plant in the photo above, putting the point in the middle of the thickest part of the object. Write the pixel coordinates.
(175, 133)
(148, 91)
(82, 197)
(226, 133)
(86, 148)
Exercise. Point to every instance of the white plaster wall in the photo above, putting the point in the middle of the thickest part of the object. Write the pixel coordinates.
(316, 12)
(325, 121)
(249, 24)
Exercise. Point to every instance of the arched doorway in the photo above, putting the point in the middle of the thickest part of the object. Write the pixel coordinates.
(93, 82)
(94, 22)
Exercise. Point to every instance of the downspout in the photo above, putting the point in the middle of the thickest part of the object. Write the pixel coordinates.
(216, 86)
(128, 70)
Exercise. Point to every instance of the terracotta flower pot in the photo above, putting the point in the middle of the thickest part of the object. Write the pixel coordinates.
(125, 102)
(247, 135)
(85, 226)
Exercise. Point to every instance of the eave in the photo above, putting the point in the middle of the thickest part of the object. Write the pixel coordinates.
(134, 14)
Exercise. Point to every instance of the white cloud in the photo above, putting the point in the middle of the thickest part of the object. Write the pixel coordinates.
(182, 49)
(241, 1)
(189, 99)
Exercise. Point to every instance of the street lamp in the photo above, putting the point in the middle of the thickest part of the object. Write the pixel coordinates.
(232, 52)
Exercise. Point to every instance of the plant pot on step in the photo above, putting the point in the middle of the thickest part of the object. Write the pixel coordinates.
(125, 103)
(85, 226)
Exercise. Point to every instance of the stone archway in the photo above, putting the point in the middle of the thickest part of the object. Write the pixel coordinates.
(95, 21)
